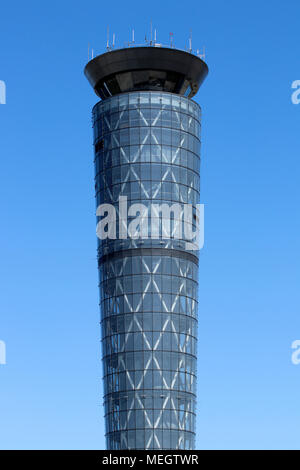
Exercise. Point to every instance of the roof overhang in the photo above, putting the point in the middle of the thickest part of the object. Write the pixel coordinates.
(146, 68)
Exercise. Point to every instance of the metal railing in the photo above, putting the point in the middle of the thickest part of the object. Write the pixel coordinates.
(151, 43)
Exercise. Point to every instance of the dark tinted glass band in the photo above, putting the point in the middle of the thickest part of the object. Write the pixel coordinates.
(149, 252)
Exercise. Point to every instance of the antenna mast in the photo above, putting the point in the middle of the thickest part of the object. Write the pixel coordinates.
(190, 41)
(107, 41)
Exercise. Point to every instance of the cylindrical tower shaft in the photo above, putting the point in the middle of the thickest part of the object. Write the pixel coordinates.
(147, 151)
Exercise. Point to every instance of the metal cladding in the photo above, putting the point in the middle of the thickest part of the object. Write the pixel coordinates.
(146, 68)
(147, 148)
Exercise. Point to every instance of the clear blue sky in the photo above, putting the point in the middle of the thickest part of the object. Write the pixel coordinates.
(248, 388)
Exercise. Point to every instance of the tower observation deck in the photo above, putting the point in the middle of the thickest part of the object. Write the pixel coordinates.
(147, 149)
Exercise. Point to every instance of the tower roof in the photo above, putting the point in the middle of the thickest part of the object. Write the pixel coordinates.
(146, 68)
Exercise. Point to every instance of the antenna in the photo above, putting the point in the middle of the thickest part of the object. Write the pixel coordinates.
(92, 53)
(114, 36)
(133, 36)
(171, 39)
(190, 41)
(151, 32)
(154, 36)
(107, 42)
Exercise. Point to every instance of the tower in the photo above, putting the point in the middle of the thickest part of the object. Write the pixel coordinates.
(147, 151)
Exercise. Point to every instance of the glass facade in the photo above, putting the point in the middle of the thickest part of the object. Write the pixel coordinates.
(147, 148)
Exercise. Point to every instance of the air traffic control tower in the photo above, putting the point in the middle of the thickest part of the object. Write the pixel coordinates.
(147, 148)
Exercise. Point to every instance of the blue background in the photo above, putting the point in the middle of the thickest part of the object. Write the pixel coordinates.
(248, 388)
